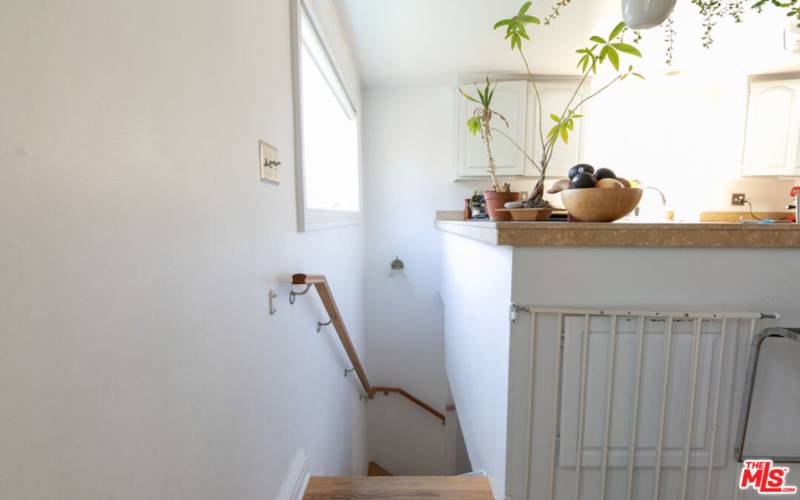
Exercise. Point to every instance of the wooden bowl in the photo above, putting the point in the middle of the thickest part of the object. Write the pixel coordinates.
(600, 205)
(530, 214)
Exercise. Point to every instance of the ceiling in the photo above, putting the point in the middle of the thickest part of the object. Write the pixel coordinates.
(398, 41)
(419, 41)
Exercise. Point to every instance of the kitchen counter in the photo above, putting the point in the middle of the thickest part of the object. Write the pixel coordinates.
(619, 234)
(678, 268)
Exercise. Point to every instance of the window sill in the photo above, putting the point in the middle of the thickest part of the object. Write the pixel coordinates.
(318, 220)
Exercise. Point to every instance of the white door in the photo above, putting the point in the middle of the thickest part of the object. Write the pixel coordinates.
(555, 97)
(509, 100)
(773, 129)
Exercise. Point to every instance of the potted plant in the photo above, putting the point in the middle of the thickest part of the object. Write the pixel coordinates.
(600, 51)
(481, 122)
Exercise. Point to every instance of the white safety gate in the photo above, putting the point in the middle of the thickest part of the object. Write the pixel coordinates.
(626, 404)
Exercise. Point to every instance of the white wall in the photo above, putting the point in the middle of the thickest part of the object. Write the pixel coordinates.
(137, 358)
(404, 316)
(476, 285)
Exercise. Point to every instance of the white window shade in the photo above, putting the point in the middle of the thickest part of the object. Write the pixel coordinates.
(328, 135)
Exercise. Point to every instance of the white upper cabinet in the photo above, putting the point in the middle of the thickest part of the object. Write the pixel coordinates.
(510, 100)
(516, 100)
(555, 97)
(772, 140)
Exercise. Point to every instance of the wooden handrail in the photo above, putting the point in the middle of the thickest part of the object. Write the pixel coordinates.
(413, 399)
(321, 285)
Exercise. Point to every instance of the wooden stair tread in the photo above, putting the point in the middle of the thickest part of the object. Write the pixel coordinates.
(376, 470)
(399, 488)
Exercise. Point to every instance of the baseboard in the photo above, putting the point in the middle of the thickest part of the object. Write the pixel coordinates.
(296, 481)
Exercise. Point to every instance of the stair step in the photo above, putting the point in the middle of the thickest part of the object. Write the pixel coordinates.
(376, 470)
(399, 488)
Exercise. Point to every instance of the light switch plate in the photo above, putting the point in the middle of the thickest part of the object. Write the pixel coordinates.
(268, 157)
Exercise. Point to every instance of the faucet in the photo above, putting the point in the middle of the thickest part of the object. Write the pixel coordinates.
(660, 192)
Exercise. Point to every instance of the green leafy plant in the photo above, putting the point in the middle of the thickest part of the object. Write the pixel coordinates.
(669, 39)
(481, 122)
(555, 11)
(715, 10)
(792, 5)
(600, 51)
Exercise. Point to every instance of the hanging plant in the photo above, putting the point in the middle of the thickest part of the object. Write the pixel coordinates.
(715, 10)
(669, 39)
(792, 5)
(555, 11)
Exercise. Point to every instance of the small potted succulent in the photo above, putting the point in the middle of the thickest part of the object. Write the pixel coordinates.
(598, 52)
(481, 122)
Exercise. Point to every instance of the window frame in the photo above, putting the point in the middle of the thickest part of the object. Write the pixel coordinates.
(309, 219)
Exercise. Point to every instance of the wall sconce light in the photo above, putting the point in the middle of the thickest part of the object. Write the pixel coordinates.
(397, 268)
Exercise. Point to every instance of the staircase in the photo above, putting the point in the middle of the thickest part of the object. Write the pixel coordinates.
(380, 483)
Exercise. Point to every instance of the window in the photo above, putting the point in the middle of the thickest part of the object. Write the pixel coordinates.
(328, 135)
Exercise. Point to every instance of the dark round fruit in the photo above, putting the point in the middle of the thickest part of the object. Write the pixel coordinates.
(604, 173)
(580, 169)
(583, 180)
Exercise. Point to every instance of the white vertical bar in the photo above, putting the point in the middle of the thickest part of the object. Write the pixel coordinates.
(635, 427)
(612, 341)
(531, 397)
(582, 405)
(736, 490)
(556, 410)
(698, 326)
(664, 394)
(717, 393)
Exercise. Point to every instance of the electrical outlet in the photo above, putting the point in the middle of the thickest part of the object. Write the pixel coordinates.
(268, 157)
(738, 199)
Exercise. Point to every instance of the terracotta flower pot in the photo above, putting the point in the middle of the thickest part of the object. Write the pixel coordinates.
(496, 200)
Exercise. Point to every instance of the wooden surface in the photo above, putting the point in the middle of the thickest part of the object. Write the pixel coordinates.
(600, 234)
(413, 399)
(600, 205)
(376, 470)
(325, 294)
(736, 216)
(450, 488)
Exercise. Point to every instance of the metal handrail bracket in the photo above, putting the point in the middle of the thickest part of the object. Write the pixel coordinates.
(293, 295)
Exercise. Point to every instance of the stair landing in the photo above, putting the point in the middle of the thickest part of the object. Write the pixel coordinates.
(399, 488)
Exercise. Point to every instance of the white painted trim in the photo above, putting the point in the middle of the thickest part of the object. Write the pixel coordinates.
(296, 481)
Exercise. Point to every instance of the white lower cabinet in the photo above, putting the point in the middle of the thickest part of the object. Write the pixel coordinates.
(517, 102)
(772, 140)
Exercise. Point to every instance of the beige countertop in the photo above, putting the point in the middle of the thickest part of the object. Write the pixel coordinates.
(659, 235)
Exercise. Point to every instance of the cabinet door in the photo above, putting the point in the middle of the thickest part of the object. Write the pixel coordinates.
(771, 140)
(793, 153)
(555, 96)
(510, 100)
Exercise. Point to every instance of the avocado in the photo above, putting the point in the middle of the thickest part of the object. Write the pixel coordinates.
(579, 169)
(583, 180)
(604, 173)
